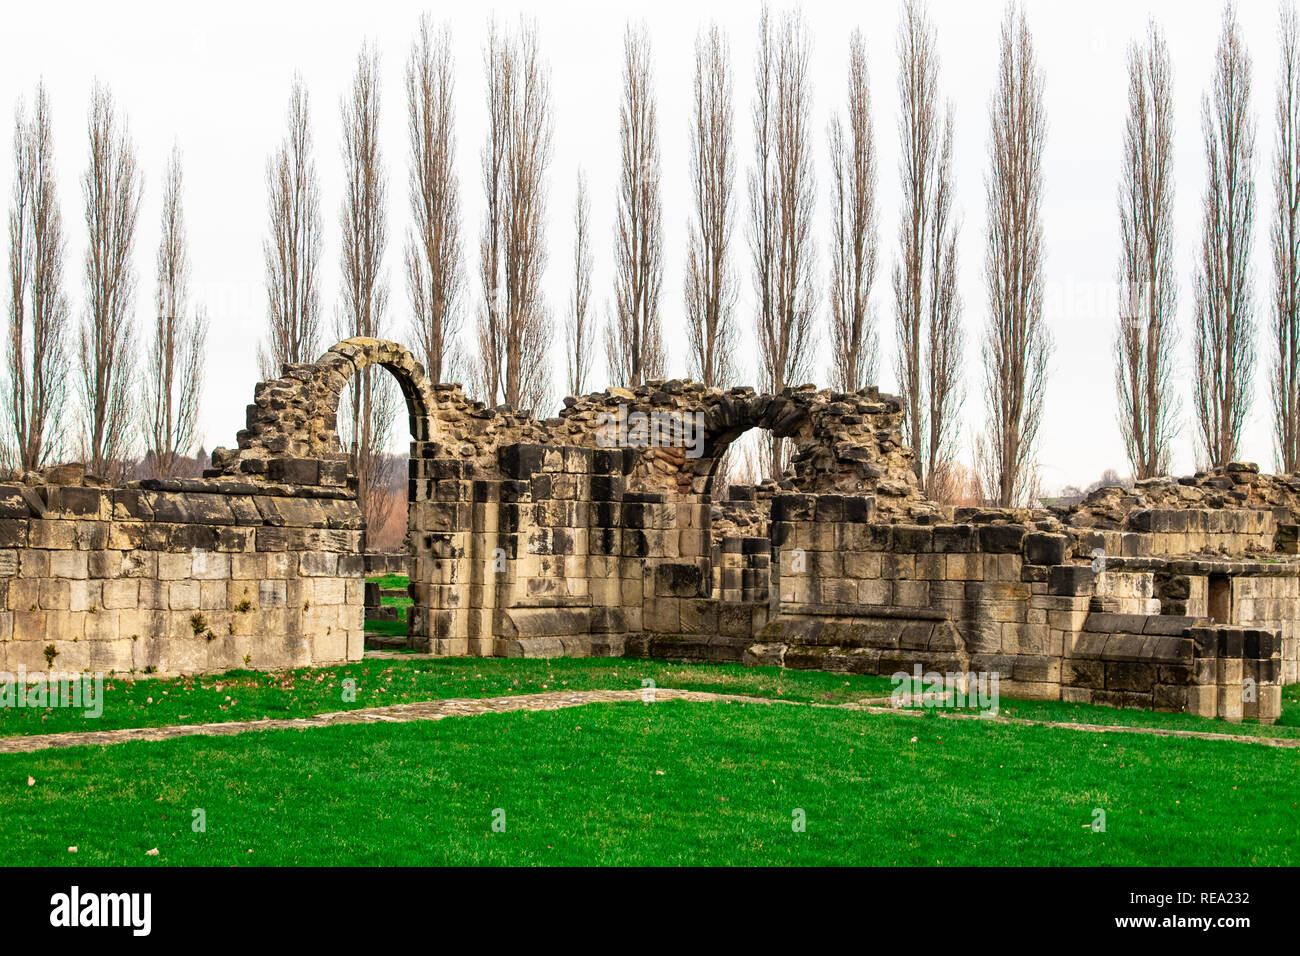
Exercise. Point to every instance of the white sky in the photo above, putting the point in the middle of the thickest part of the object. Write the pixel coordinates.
(216, 81)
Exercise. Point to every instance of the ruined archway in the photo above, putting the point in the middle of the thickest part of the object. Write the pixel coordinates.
(342, 366)
(291, 436)
(528, 533)
(332, 372)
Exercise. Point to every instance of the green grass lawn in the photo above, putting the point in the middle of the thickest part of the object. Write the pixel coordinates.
(251, 695)
(397, 628)
(669, 783)
(1287, 725)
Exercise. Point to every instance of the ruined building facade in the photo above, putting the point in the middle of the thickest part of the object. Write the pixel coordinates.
(600, 532)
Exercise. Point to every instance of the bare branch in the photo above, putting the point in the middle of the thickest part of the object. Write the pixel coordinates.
(710, 287)
(1286, 250)
(111, 188)
(363, 219)
(434, 272)
(945, 335)
(292, 252)
(634, 343)
(927, 307)
(1017, 345)
(578, 333)
(175, 372)
(854, 235)
(38, 307)
(782, 194)
(1224, 320)
(515, 325)
(1147, 333)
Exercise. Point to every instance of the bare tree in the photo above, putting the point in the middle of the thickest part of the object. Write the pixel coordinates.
(927, 306)
(292, 252)
(782, 194)
(579, 331)
(1286, 250)
(111, 188)
(1224, 309)
(710, 287)
(515, 326)
(634, 342)
(945, 336)
(1147, 334)
(1017, 346)
(854, 236)
(434, 275)
(38, 307)
(175, 372)
(363, 220)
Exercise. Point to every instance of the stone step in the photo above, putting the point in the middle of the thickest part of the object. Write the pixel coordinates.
(385, 642)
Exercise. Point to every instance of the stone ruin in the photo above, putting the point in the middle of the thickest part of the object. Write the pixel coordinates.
(600, 532)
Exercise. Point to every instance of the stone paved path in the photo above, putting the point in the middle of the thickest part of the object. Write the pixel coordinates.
(1286, 743)
(393, 713)
(557, 700)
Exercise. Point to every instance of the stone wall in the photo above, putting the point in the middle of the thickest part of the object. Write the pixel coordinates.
(379, 563)
(597, 532)
(177, 577)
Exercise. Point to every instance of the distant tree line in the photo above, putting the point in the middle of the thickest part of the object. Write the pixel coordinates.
(93, 385)
(496, 329)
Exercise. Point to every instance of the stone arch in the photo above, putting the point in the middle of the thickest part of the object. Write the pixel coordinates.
(291, 437)
(785, 416)
(330, 374)
(848, 443)
(323, 391)
(291, 432)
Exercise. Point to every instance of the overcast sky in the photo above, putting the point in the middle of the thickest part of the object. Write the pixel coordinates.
(215, 80)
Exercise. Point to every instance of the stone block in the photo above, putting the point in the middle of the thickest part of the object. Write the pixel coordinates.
(1045, 549)
(69, 564)
(184, 595)
(318, 564)
(1070, 580)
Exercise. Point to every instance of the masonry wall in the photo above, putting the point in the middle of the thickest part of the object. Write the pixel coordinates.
(869, 597)
(178, 577)
(559, 556)
(1272, 601)
(536, 537)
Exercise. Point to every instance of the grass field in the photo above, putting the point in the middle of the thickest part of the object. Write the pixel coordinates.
(397, 628)
(668, 783)
(252, 695)
(675, 782)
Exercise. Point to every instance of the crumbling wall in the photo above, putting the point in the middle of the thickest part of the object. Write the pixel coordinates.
(865, 596)
(596, 532)
(178, 577)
